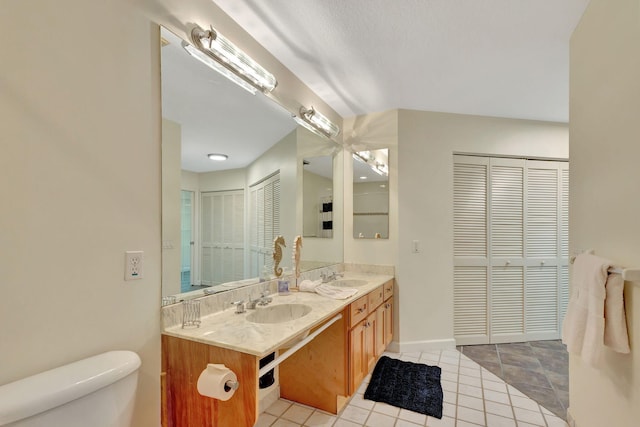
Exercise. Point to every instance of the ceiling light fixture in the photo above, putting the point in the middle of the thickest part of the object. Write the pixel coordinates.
(216, 51)
(317, 123)
(218, 157)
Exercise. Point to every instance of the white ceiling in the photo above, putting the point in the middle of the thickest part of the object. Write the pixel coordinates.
(504, 58)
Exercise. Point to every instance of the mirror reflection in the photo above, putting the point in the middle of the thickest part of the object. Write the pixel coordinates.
(220, 217)
(371, 194)
(318, 196)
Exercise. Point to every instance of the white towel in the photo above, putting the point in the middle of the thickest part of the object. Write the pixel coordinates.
(309, 285)
(616, 336)
(335, 292)
(584, 329)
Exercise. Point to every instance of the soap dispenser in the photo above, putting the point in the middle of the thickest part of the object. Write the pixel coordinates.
(283, 282)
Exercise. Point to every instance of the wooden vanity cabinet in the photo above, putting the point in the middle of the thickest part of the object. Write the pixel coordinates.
(316, 375)
(183, 361)
(368, 337)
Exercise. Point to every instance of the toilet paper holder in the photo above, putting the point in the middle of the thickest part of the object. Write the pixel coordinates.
(231, 385)
(218, 382)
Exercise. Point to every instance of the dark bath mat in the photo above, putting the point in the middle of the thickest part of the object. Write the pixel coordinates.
(408, 385)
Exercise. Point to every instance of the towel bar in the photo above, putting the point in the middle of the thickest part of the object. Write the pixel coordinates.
(628, 274)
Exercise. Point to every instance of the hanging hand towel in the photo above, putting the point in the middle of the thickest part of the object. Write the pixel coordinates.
(584, 329)
(616, 336)
(335, 292)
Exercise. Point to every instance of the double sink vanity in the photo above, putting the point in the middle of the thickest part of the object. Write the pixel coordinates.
(323, 348)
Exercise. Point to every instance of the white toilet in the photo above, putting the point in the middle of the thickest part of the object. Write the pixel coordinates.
(98, 391)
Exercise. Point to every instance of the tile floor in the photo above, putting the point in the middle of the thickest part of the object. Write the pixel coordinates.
(473, 396)
(539, 369)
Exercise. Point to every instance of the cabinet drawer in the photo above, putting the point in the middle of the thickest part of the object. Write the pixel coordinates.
(359, 310)
(388, 289)
(376, 297)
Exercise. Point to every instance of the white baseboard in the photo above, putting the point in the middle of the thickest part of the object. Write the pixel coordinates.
(418, 346)
(268, 397)
(570, 420)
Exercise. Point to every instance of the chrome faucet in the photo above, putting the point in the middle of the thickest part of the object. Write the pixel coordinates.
(264, 299)
(328, 277)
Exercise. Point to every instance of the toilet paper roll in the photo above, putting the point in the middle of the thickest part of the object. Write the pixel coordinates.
(217, 381)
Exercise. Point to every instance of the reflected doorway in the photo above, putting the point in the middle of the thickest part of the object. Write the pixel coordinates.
(186, 239)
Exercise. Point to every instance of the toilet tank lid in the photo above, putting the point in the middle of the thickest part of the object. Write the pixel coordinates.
(46, 390)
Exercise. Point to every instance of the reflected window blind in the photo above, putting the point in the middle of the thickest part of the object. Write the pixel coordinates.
(264, 222)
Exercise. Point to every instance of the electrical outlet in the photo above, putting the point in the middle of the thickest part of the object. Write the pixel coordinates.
(133, 265)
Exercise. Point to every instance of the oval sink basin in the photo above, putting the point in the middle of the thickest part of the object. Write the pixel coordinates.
(348, 283)
(279, 313)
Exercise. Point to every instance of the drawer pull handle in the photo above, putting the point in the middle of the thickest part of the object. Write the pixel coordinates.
(360, 310)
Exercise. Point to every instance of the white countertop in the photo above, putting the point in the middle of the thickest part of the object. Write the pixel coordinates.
(232, 331)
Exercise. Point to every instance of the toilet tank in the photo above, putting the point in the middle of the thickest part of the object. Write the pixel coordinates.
(98, 391)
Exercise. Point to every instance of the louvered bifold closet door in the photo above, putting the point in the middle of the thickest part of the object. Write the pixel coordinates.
(470, 249)
(222, 236)
(563, 264)
(510, 249)
(542, 250)
(506, 249)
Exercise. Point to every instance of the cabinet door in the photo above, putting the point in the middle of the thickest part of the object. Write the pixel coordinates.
(380, 345)
(371, 327)
(388, 322)
(358, 357)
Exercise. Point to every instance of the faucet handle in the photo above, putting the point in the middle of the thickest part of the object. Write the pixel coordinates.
(239, 306)
(252, 303)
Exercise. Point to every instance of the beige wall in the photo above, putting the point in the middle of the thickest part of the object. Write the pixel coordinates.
(171, 206)
(426, 144)
(81, 185)
(604, 204)
(81, 160)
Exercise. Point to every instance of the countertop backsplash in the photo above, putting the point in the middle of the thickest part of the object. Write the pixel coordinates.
(209, 304)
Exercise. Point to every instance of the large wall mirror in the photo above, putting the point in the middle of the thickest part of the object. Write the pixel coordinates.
(219, 218)
(371, 194)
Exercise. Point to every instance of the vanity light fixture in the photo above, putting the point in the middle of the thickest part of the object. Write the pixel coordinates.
(216, 51)
(218, 157)
(317, 123)
(369, 159)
